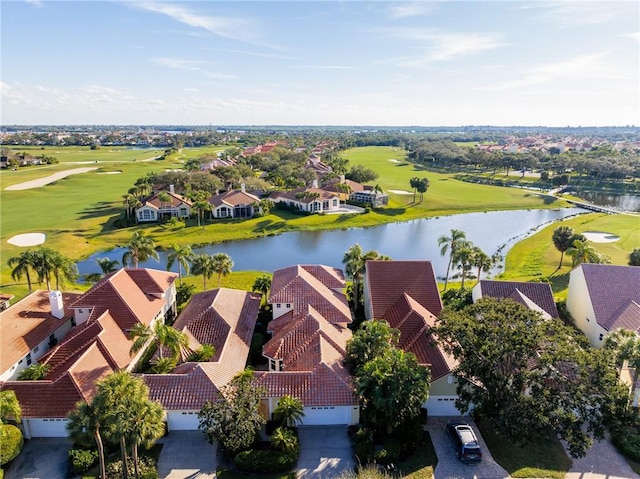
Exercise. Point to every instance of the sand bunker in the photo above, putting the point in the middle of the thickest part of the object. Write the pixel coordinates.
(110, 172)
(28, 239)
(393, 160)
(400, 192)
(600, 237)
(47, 179)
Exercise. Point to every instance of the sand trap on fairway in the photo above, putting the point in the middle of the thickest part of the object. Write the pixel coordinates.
(28, 239)
(600, 237)
(110, 172)
(400, 192)
(393, 160)
(48, 179)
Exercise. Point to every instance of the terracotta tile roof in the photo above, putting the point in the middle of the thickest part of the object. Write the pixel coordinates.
(176, 200)
(612, 289)
(540, 294)
(224, 318)
(627, 318)
(323, 386)
(316, 286)
(387, 281)
(182, 391)
(414, 323)
(291, 195)
(131, 295)
(304, 341)
(333, 186)
(27, 323)
(233, 198)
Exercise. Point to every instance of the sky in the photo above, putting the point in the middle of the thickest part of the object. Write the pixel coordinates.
(350, 62)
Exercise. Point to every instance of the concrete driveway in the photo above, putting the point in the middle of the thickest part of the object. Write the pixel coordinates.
(451, 468)
(187, 455)
(41, 458)
(602, 461)
(325, 452)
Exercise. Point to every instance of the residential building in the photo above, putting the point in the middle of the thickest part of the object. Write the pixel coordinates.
(312, 200)
(405, 294)
(154, 209)
(235, 204)
(603, 298)
(535, 296)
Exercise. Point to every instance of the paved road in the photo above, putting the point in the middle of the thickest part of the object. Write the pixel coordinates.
(325, 452)
(187, 455)
(451, 468)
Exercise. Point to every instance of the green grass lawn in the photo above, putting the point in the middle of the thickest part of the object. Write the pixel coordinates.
(541, 458)
(421, 464)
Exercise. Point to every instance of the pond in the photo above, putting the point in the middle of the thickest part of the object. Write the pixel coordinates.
(615, 201)
(494, 231)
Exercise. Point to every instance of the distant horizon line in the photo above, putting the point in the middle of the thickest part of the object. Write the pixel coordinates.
(300, 125)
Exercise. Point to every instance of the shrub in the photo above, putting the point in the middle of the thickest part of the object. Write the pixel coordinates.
(11, 442)
(627, 440)
(82, 459)
(146, 466)
(268, 461)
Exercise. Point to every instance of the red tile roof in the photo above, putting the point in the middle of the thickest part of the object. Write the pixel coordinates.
(387, 281)
(175, 200)
(291, 195)
(317, 286)
(27, 323)
(522, 292)
(612, 289)
(186, 391)
(233, 198)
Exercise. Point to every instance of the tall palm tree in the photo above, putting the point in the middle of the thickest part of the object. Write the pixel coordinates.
(222, 265)
(22, 266)
(262, 285)
(142, 424)
(35, 372)
(46, 260)
(165, 199)
(289, 411)
(84, 421)
(63, 269)
(140, 248)
(463, 257)
(562, 239)
(9, 406)
(164, 336)
(481, 260)
(182, 255)
(353, 261)
(202, 264)
(582, 252)
(450, 244)
(107, 266)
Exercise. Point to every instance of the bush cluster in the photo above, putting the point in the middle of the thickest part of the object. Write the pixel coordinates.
(11, 442)
(146, 466)
(82, 459)
(627, 440)
(265, 461)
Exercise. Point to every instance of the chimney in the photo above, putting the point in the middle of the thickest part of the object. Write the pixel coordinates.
(314, 184)
(342, 179)
(242, 187)
(172, 190)
(55, 299)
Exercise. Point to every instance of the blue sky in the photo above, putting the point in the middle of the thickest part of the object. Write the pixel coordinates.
(321, 63)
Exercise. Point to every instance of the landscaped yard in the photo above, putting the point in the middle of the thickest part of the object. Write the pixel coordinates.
(544, 457)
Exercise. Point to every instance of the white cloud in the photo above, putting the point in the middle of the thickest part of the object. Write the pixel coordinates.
(35, 3)
(226, 27)
(414, 9)
(178, 64)
(634, 36)
(443, 46)
(580, 13)
(576, 69)
(326, 67)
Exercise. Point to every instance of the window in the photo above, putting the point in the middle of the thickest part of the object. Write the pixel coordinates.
(36, 349)
(29, 359)
(278, 306)
(601, 335)
(288, 305)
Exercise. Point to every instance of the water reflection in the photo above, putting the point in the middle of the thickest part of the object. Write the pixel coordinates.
(493, 231)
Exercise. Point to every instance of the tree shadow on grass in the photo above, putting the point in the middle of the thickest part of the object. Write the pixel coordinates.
(391, 211)
(97, 210)
(559, 282)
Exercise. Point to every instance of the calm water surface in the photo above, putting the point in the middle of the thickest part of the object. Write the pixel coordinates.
(494, 231)
(613, 201)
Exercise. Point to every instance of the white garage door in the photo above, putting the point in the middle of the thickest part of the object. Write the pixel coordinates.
(45, 427)
(182, 420)
(442, 406)
(323, 416)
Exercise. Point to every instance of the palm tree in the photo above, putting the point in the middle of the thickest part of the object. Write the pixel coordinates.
(581, 252)
(107, 266)
(63, 268)
(22, 266)
(35, 372)
(222, 265)
(422, 186)
(182, 255)
(450, 244)
(9, 406)
(463, 257)
(84, 421)
(203, 264)
(142, 424)
(284, 440)
(414, 185)
(481, 260)
(164, 336)
(262, 285)
(353, 261)
(289, 411)
(140, 248)
(562, 240)
(46, 261)
(164, 198)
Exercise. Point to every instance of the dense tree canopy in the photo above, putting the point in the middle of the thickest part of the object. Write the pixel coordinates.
(530, 375)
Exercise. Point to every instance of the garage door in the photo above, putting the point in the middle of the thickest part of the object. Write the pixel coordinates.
(322, 416)
(45, 427)
(442, 406)
(182, 420)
